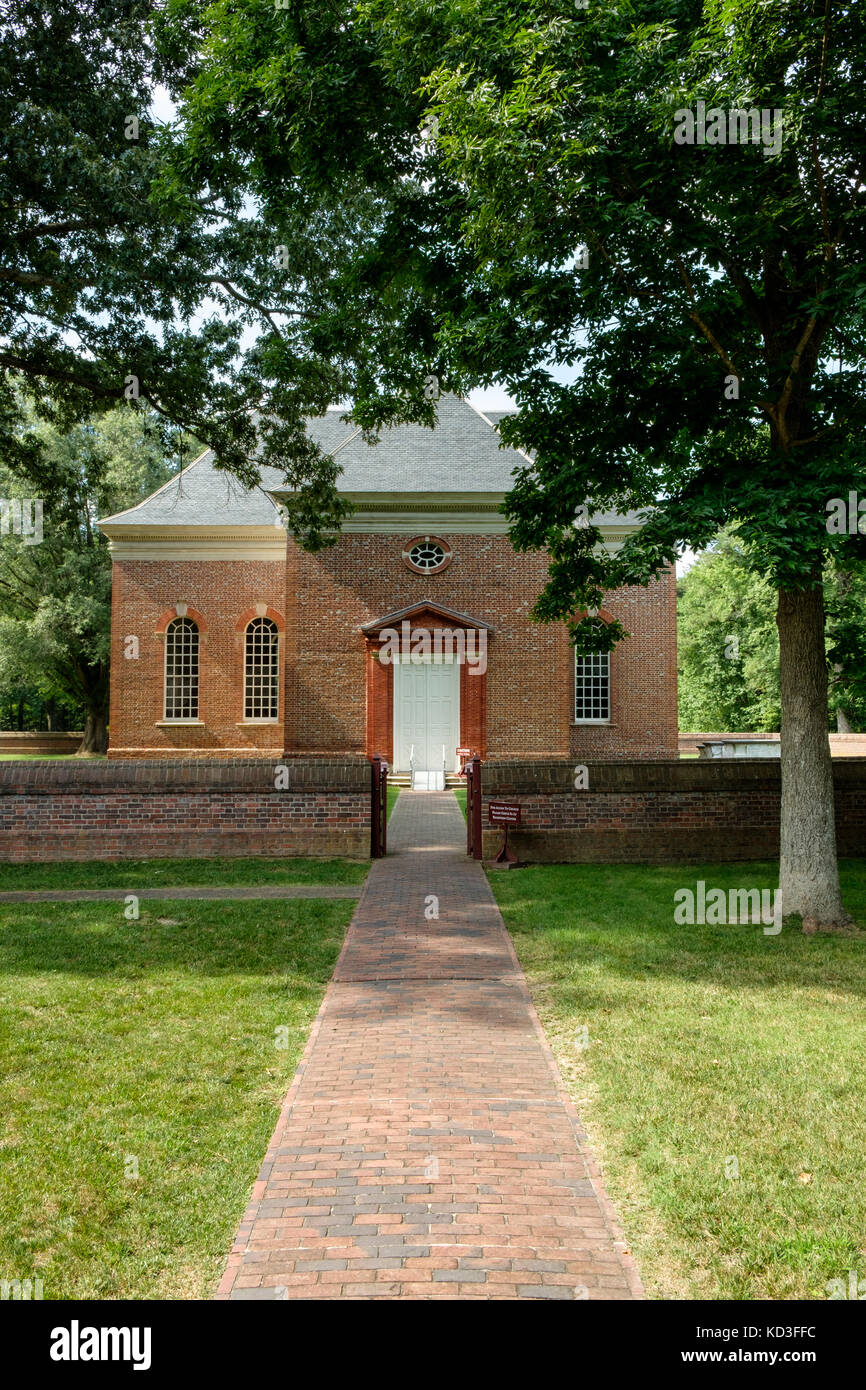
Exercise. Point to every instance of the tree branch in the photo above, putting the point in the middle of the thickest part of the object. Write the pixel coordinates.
(242, 298)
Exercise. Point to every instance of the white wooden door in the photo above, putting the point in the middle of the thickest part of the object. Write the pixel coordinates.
(426, 714)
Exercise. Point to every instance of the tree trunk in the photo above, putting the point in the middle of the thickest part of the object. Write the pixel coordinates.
(808, 871)
(95, 738)
(843, 724)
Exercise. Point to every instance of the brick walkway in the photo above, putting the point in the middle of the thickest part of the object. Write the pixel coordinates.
(426, 1148)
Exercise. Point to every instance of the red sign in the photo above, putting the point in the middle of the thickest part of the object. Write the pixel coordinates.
(503, 813)
(464, 752)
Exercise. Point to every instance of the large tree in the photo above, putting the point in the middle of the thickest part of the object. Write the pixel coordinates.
(680, 323)
(123, 276)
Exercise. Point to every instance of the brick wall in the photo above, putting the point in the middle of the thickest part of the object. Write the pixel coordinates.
(658, 812)
(144, 593)
(639, 811)
(333, 703)
(363, 577)
(42, 741)
(643, 679)
(527, 698)
(135, 809)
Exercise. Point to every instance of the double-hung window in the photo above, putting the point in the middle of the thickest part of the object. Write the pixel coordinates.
(591, 687)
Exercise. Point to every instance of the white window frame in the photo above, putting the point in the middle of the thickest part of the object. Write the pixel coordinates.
(261, 718)
(596, 672)
(190, 624)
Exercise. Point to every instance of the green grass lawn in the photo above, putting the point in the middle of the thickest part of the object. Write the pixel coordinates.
(707, 1045)
(392, 794)
(180, 873)
(148, 1043)
(461, 793)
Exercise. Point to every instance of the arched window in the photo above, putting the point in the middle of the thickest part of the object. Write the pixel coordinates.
(181, 669)
(261, 670)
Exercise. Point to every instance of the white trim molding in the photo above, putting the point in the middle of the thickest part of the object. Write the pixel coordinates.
(195, 542)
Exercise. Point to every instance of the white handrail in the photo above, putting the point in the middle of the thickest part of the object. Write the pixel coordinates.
(443, 758)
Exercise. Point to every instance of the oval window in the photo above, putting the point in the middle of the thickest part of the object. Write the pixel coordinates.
(426, 554)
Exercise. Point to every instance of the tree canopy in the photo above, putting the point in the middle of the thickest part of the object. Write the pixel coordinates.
(701, 360)
(646, 219)
(123, 275)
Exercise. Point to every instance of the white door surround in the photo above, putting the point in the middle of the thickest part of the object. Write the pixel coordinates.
(426, 713)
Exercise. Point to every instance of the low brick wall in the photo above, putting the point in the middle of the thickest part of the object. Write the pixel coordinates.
(658, 812)
(195, 807)
(41, 741)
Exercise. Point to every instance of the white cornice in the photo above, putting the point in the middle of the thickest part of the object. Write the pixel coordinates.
(444, 514)
(127, 542)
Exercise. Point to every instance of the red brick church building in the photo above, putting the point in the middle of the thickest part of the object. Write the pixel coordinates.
(408, 636)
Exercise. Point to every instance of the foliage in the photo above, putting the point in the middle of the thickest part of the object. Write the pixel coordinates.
(736, 265)
(125, 273)
(729, 645)
(55, 596)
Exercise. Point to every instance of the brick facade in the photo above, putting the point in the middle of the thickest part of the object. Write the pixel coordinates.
(337, 697)
(218, 593)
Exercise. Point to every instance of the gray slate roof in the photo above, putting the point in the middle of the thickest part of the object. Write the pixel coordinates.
(462, 454)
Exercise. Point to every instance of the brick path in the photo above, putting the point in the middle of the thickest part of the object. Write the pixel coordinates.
(426, 1148)
(263, 890)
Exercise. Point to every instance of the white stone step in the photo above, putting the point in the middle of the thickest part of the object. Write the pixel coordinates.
(428, 781)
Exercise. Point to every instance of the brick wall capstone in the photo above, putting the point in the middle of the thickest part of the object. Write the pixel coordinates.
(193, 808)
(657, 812)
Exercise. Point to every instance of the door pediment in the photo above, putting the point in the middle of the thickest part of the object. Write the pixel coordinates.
(425, 614)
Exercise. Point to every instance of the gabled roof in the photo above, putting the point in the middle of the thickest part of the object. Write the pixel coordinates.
(463, 454)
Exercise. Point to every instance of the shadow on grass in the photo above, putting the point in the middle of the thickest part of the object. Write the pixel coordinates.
(201, 938)
(583, 915)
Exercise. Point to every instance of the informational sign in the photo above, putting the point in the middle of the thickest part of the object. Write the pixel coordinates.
(503, 812)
